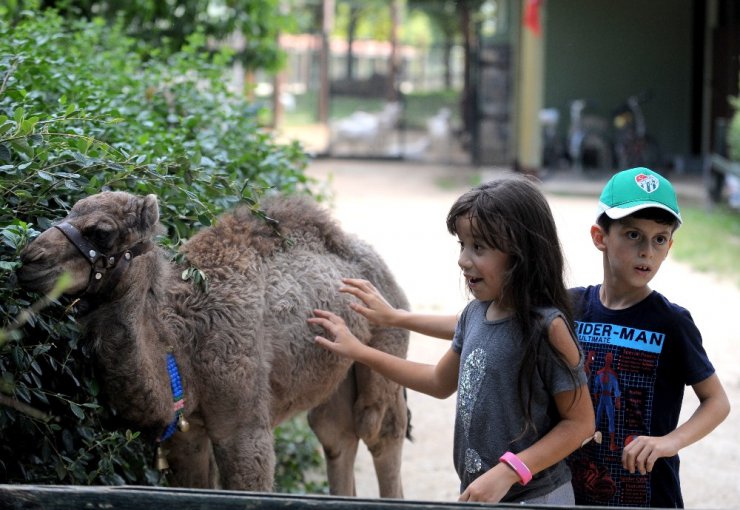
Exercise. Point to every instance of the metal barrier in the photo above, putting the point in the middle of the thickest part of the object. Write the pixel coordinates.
(52, 497)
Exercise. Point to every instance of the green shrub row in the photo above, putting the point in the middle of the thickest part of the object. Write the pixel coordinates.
(84, 108)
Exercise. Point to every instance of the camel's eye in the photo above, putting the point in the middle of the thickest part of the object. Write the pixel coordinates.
(100, 237)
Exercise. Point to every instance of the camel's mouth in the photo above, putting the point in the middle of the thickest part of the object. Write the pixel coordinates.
(33, 278)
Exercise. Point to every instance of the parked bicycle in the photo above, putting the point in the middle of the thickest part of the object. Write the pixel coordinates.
(589, 146)
(633, 145)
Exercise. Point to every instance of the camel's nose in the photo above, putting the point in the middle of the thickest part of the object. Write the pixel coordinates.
(31, 253)
(33, 271)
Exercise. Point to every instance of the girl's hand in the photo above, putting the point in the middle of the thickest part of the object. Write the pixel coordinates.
(344, 343)
(376, 309)
(492, 485)
(642, 452)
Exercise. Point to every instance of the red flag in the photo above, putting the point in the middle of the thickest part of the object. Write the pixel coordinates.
(532, 16)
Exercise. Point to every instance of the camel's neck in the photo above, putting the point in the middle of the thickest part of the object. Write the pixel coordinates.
(131, 335)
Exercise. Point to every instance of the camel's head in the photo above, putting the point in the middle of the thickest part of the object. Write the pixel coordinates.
(97, 237)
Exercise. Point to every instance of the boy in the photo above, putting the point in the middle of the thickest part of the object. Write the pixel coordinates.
(642, 351)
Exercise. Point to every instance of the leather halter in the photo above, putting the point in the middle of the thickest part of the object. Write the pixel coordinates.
(100, 264)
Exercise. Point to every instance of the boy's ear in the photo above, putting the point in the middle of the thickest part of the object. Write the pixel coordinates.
(597, 237)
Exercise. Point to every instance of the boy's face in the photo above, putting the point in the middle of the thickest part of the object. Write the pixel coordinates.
(634, 249)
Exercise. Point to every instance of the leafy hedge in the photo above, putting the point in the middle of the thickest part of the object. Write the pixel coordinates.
(733, 134)
(84, 108)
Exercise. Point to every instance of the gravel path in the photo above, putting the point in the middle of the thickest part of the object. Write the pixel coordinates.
(401, 209)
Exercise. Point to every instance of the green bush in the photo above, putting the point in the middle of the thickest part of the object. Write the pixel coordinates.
(85, 108)
(733, 134)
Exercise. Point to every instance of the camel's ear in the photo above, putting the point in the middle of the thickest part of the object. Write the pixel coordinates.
(149, 215)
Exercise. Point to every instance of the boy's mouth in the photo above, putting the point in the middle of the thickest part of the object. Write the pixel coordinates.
(644, 269)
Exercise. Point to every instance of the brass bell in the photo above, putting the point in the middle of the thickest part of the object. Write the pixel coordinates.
(182, 424)
(162, 464)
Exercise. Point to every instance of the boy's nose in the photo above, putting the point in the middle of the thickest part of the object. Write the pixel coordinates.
(646, 250)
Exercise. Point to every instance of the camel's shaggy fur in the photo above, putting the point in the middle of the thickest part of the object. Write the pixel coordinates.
(244, 348)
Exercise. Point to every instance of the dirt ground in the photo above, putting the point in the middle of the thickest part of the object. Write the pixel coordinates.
(401, 209)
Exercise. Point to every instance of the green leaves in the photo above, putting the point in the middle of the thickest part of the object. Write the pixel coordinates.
(83, 107)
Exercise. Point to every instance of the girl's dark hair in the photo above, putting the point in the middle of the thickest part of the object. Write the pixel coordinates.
(513, 216)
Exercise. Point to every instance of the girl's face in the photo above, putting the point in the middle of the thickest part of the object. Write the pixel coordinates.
(483, 266)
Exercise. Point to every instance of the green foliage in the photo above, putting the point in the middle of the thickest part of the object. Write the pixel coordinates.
(168, 25)
(710, 241)
(299, 457)
(733, 134)
(83, 108)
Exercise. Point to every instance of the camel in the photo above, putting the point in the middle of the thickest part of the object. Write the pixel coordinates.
(242, 347)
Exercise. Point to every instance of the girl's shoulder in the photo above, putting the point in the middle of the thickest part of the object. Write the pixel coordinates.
(474, 308)
(549, 314)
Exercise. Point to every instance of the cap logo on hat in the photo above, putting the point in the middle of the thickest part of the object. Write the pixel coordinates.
(648, 183)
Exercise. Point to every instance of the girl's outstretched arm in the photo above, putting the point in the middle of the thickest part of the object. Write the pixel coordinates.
(377, 310)
(438, 380)
(576, 425)
(642, 452)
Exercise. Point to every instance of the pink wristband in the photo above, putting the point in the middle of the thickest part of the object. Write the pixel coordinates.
(519, 467)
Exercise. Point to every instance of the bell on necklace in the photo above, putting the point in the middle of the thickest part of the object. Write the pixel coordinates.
(161, 463)
(182, 424)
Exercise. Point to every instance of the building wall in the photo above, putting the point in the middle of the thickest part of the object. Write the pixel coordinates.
(606, 50)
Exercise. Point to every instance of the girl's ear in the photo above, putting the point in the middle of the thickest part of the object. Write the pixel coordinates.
(597, 236)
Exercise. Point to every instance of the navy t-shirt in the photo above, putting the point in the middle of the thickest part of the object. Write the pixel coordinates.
(638, 361)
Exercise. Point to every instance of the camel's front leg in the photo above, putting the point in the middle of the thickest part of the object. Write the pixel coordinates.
(246, 458)
(190, 458)
(333, 424)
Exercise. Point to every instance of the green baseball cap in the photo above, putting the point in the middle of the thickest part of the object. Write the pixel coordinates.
(630, 190)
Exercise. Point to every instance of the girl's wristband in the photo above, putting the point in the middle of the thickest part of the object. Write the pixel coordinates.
(519, 467)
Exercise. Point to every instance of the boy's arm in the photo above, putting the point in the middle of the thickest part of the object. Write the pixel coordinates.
(377, 310)
(714, 406)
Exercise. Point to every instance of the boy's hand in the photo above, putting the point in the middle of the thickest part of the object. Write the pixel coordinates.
(376, 309)
(344, 343)
(492, 485)
(643, 451)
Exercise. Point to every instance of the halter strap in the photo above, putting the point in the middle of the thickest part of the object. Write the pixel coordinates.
(100, 263)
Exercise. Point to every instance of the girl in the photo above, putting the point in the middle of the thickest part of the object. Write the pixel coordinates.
(514, 361)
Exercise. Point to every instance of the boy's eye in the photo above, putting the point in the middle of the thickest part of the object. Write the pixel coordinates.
(633, 235)
(661, 240)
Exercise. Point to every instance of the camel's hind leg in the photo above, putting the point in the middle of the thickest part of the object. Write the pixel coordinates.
(333, 424)
(380, 413)
(381, 421)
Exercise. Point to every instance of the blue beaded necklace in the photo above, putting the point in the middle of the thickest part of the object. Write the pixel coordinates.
(178, 405)
(177, 399)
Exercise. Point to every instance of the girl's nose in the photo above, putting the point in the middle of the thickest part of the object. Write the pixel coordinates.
(463, 261)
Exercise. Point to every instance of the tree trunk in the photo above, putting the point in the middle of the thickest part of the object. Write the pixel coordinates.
(394, 67)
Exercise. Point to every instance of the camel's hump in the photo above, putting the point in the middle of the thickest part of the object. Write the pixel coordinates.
(242, 234)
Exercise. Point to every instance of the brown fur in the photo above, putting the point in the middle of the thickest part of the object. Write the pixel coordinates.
(244, 349)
